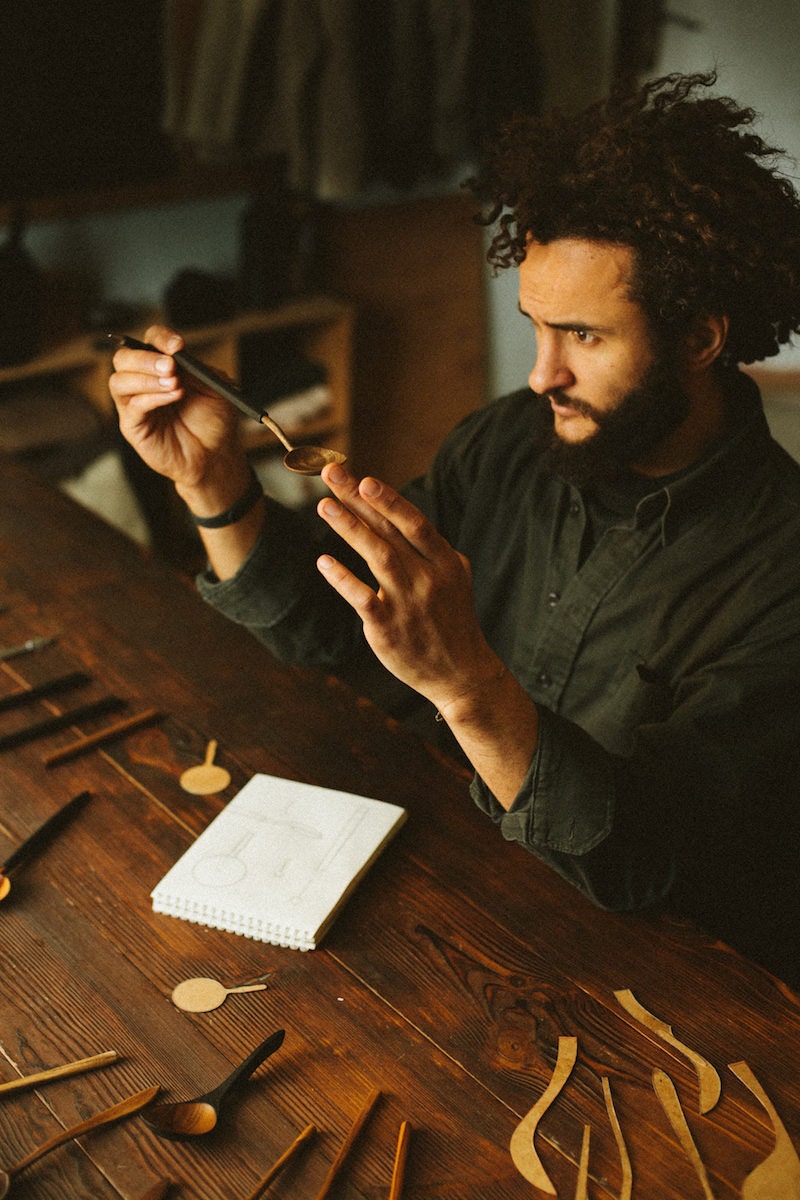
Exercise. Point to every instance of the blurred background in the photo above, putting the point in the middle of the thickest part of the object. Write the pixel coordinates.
(283, 178)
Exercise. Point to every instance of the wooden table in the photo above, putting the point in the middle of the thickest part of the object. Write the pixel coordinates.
(446, 982)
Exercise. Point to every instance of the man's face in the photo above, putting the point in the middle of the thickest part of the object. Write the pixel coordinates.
(614, 400)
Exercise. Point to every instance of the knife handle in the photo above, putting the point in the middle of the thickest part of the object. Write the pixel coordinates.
(45, 831)
(52, 724)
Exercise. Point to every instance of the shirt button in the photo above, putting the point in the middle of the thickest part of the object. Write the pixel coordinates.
(543, 679)
(553, 599)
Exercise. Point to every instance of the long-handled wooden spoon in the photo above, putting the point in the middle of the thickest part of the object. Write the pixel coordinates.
(523, 1151)
(779, 1173)
(187, 1119)
(116, 1113)
(303, 460)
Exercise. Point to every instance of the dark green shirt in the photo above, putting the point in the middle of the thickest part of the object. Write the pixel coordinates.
(660, 639)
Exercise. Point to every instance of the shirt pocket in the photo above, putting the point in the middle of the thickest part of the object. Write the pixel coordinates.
(637, 694)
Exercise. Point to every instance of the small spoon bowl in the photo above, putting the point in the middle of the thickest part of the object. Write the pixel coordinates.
(189, 1119)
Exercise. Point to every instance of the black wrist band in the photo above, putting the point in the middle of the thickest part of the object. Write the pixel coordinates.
(236, 511)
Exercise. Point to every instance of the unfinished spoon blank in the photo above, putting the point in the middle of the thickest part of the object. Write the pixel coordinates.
(205, 779)
(707, 1076)
(624, 1158)
(523, 1152)
(203, 995)
(665, 1090)
(777, 1177)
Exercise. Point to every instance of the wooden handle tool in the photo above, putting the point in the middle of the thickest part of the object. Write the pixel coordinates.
(73, 1068)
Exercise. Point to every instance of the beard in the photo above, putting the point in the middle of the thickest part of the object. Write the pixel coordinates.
(626, 434)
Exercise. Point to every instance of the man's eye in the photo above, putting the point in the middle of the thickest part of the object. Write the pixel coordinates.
(584, 336)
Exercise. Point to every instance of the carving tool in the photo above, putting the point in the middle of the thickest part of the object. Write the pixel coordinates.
(50, 687)
(707, 1076)
(101, 737)
(34, 643)
(66, 1069)
(39, 838)
(62, 721)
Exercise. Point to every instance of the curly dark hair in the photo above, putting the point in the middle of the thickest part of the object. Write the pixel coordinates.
(679, 177)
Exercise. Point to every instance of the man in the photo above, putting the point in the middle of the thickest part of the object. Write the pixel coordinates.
(595, 588)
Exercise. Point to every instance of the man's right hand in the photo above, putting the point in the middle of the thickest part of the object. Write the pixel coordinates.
(177, 426)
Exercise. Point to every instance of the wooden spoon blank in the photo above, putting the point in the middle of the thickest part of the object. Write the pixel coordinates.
(624, 1158)
(707, 1076)
(779, 1173)
(523, 1151)
(665, 1090)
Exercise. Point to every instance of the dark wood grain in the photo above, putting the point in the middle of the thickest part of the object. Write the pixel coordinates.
(445, 982)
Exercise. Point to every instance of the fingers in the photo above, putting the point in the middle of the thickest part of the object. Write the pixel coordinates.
(380, 509)
(148, 374)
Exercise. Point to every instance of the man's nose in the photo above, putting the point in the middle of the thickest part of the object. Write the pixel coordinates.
(550, 372)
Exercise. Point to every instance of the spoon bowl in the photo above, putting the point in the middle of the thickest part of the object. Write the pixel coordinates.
(189, 1119)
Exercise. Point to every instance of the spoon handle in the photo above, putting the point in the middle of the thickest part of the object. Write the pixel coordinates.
(117, 1111)
(246, 1068)
(73, 1068)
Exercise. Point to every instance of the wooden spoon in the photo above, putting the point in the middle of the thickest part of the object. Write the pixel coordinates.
(779, 1173)
(107, 1117)
(205, 779)
(192, 1118)
(203, 995)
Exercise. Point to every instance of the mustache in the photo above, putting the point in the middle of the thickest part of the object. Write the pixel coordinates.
(577, 405)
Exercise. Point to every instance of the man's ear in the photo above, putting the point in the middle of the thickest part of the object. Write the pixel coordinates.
(706, 341)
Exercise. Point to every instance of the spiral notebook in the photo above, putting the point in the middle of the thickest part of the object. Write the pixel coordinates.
(279, 861)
